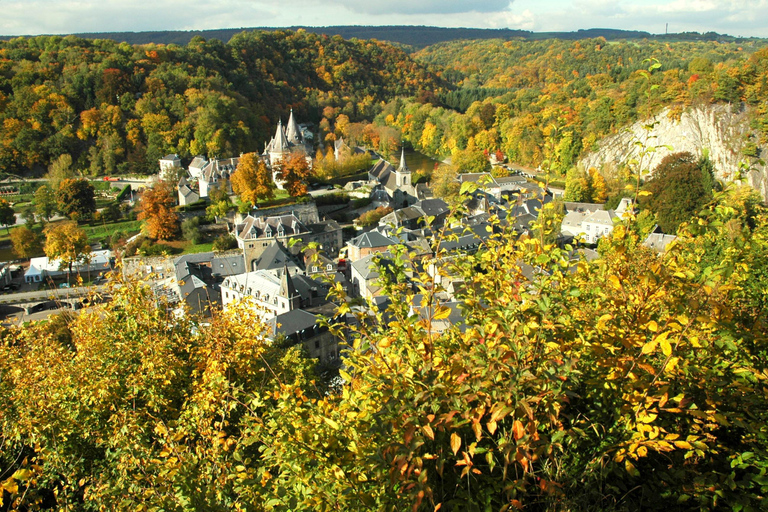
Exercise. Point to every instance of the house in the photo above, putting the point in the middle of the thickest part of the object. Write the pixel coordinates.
(270, 293)
(657, 241)
(366, 244)
(274, 257)
(187, 194)
(42, 267)
(598, 224)
(196, 280)
(170, 165)
(217, 173)
(364, 276)
(299, 326)
(257, 233)
(196, 166)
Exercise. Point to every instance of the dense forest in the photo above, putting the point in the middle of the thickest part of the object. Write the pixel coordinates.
(553, 100)
(118, 108)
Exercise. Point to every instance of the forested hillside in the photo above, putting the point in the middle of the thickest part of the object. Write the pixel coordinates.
(117, 108)
(554, 100)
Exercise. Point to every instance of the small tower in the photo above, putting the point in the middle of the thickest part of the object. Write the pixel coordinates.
(402, 173)
(288, 290)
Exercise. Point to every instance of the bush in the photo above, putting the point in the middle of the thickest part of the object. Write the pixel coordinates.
(150, 248)
(372, 217)
(123, 193)
(202, 204)
(334, 198)
(190, 230)
(224, 243)
(361, 203)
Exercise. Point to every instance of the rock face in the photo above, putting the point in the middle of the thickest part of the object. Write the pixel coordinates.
(714, 128)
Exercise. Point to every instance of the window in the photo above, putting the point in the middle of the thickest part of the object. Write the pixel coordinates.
(329, 267)
(314, 268)
(317, 344)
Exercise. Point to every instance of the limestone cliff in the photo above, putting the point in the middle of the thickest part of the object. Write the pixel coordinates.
(714, 128)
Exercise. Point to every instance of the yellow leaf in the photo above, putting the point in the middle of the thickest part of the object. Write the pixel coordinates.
(442, 313)
(491, 425)
(331, 423)
(428, 432)
(653, 326)
(22, 475)
(455, 443)
(666, 348)
(644, 417)
(642, 451)
(615, 282)
(649, 347)
(685, 445)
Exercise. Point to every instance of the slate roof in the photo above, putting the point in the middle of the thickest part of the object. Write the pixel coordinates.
(198, 162)
(268, 227)
(292, 322)
(381, 170)
(371, 239)
(275, 257)
(602, 217)
(433, 207)
(658, 242)
(229, 265)
(583, 207)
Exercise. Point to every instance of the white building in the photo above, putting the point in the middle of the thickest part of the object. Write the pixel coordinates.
(41, 268)
(271, 292)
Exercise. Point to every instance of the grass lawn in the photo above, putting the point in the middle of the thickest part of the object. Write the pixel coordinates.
(106, 230)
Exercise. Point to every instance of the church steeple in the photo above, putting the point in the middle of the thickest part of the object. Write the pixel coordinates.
(403, 167)
(292, 132)
(287, 289)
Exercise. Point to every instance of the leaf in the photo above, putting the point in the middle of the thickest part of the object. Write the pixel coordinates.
(491, 426)
(22, 475)
(428, 432)
(614, 280)
(331, 423)
(649, 347)
(467, 188)
(685, 445)
(455, 443)
(517, 430)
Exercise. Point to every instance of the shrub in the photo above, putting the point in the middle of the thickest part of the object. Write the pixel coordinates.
(224, 243)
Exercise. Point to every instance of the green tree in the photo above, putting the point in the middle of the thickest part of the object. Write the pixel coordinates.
(60, 170)
(7, 214)
(681, 185)
(75, 199)
(45, 202)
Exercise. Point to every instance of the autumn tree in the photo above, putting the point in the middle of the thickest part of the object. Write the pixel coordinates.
(445, 184)
(67, 243)
(45, 202)
(681, 184)
(26, 242)
(293, 171)
(60, 170)
(7, 214)
(155, 208)
(252, 180)
(75, 199)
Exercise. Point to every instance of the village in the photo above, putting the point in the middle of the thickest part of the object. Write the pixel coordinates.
(287, 257)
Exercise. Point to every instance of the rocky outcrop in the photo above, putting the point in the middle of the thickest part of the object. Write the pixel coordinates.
(712, 128)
